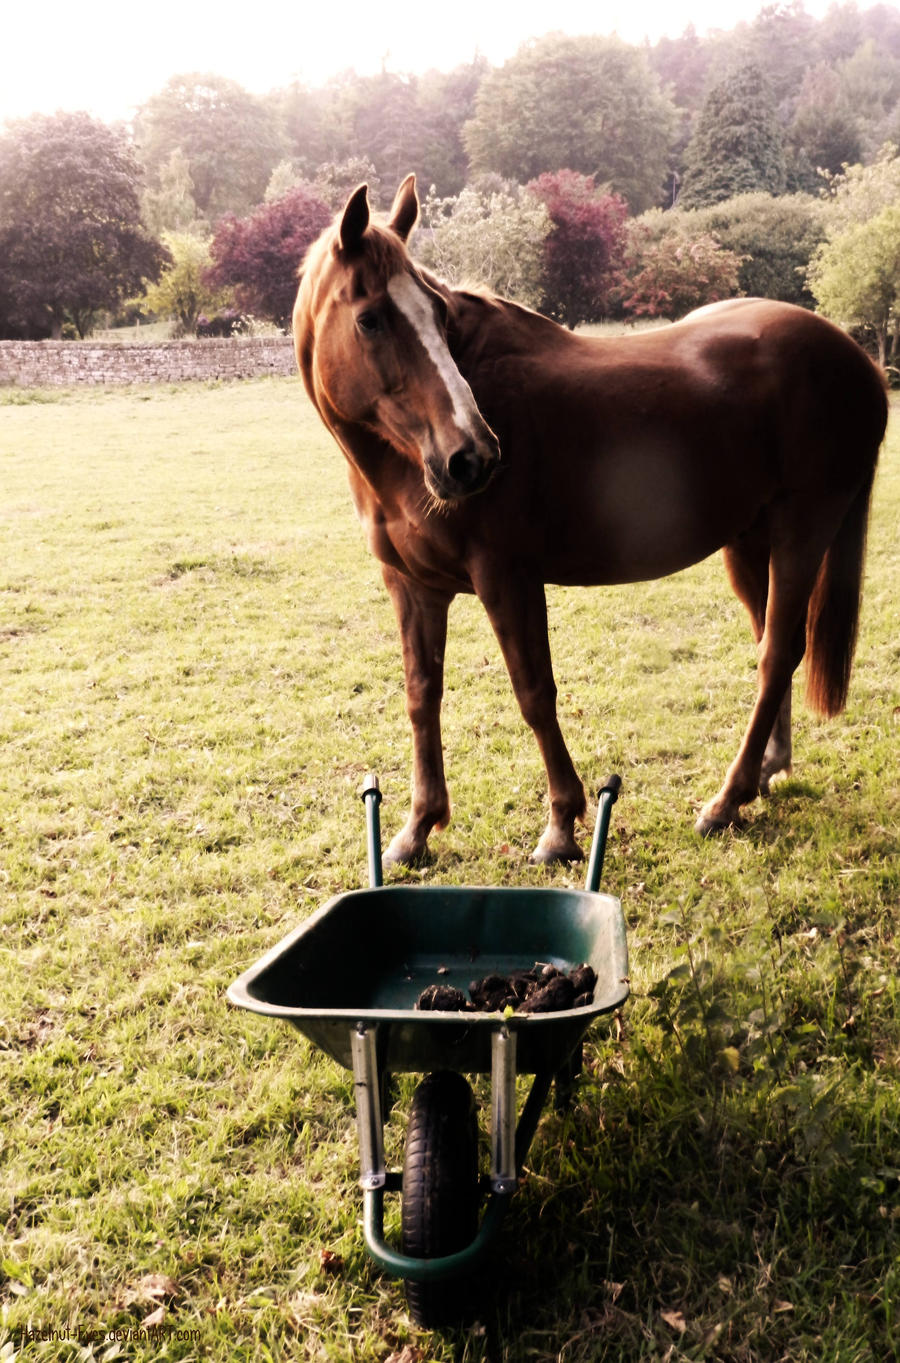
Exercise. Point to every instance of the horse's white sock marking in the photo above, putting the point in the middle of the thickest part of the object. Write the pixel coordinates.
(418, 311)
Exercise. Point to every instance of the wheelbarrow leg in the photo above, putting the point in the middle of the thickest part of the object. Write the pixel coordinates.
(566, 1079)
(369, 1121)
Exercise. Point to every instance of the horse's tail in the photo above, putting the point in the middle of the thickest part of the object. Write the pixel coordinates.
(832, 618)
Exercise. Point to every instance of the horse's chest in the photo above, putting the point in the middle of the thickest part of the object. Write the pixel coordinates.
(399, 543)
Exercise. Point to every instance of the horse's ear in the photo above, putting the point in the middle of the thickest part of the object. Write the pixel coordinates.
(405, 210)
(355, 219)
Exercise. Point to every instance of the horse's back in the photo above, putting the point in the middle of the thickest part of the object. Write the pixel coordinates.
(648, 452)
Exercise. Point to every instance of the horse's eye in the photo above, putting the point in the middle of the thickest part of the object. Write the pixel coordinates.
(369, 323)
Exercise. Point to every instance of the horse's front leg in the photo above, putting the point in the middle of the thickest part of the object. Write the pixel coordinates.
(422, 617)
(517, 609)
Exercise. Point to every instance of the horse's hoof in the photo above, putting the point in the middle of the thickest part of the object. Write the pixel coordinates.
(711, 825)
(769, 780)
(402, 852)
(553, 849)
(708, 828)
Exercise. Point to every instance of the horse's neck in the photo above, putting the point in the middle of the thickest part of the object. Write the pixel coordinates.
(390, 479)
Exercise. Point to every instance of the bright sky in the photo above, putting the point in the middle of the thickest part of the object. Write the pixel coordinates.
(108, 57)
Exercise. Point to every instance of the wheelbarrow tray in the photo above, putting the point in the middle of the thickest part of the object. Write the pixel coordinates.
(364, 958)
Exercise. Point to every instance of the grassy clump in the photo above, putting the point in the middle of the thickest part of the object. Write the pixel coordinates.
(199, 665)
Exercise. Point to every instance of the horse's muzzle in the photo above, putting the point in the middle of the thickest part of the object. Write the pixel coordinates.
(468, 470)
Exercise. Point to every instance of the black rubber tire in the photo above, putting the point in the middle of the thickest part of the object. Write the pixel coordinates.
(440, 1192)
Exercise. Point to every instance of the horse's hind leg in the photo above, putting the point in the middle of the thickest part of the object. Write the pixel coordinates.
(747, 562)
(793, 565)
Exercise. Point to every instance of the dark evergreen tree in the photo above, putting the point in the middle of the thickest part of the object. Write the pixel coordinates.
(738, 144)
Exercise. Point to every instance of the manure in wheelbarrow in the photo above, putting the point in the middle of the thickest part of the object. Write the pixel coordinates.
(442, 998)
(542, 989)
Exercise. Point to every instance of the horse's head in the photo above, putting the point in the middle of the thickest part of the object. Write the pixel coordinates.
(372, 347)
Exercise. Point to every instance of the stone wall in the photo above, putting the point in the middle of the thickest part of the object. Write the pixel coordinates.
(47, 364)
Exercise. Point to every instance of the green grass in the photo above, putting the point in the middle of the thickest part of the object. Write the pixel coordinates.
(199, 664)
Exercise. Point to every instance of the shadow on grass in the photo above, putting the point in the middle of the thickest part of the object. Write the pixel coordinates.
(683, 1210)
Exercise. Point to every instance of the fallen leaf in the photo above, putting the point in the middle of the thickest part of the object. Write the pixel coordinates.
(155, 1318)
(675, 1319)
(329, 1262)
(156, 1287)
(408, 1354)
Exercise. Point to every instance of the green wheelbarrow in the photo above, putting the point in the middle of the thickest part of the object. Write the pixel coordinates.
(349, 978)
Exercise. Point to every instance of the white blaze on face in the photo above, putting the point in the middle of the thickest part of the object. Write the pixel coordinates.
(417, 308)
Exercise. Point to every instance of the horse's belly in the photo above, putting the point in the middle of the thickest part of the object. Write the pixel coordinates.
(647, 515)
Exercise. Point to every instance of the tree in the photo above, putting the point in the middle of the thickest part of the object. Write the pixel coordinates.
(870, 84)
(491, 234)
(259, 256)
(855, 278)
(861, 192)
(682, 64)
(774, 239)
(71, 240)
(445, 103)
(285, 177)
(171, 206)
(824, 134)
(584, 251)
(317, 122)
(839, 33)
(394, 122)
(591, 104)
(335, 181)
(230, 140)
(670, 274)
(737, 146)
(387, 129)
(778, 41)
(182, 291)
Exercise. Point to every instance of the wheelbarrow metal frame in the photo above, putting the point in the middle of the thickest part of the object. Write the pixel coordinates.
(375, 1051)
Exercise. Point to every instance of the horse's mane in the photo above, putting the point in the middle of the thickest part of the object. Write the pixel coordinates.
(474, 308)
(384, 249)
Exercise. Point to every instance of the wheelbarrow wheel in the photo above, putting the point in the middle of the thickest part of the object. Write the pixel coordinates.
(440, 1192)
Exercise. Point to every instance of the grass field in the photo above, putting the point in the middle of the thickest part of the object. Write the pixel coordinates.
(198, 665)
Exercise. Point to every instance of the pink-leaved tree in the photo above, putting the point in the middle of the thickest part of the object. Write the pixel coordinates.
(584, 250)
(259, 256)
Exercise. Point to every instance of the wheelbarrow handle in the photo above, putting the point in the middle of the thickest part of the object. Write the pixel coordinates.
(607, 795)
(371, 795)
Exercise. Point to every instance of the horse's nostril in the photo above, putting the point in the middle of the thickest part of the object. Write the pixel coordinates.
(463, 465)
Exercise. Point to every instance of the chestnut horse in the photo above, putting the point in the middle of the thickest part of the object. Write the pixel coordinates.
(491, 451)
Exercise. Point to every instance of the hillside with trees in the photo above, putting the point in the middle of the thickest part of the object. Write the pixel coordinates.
(585, 176)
